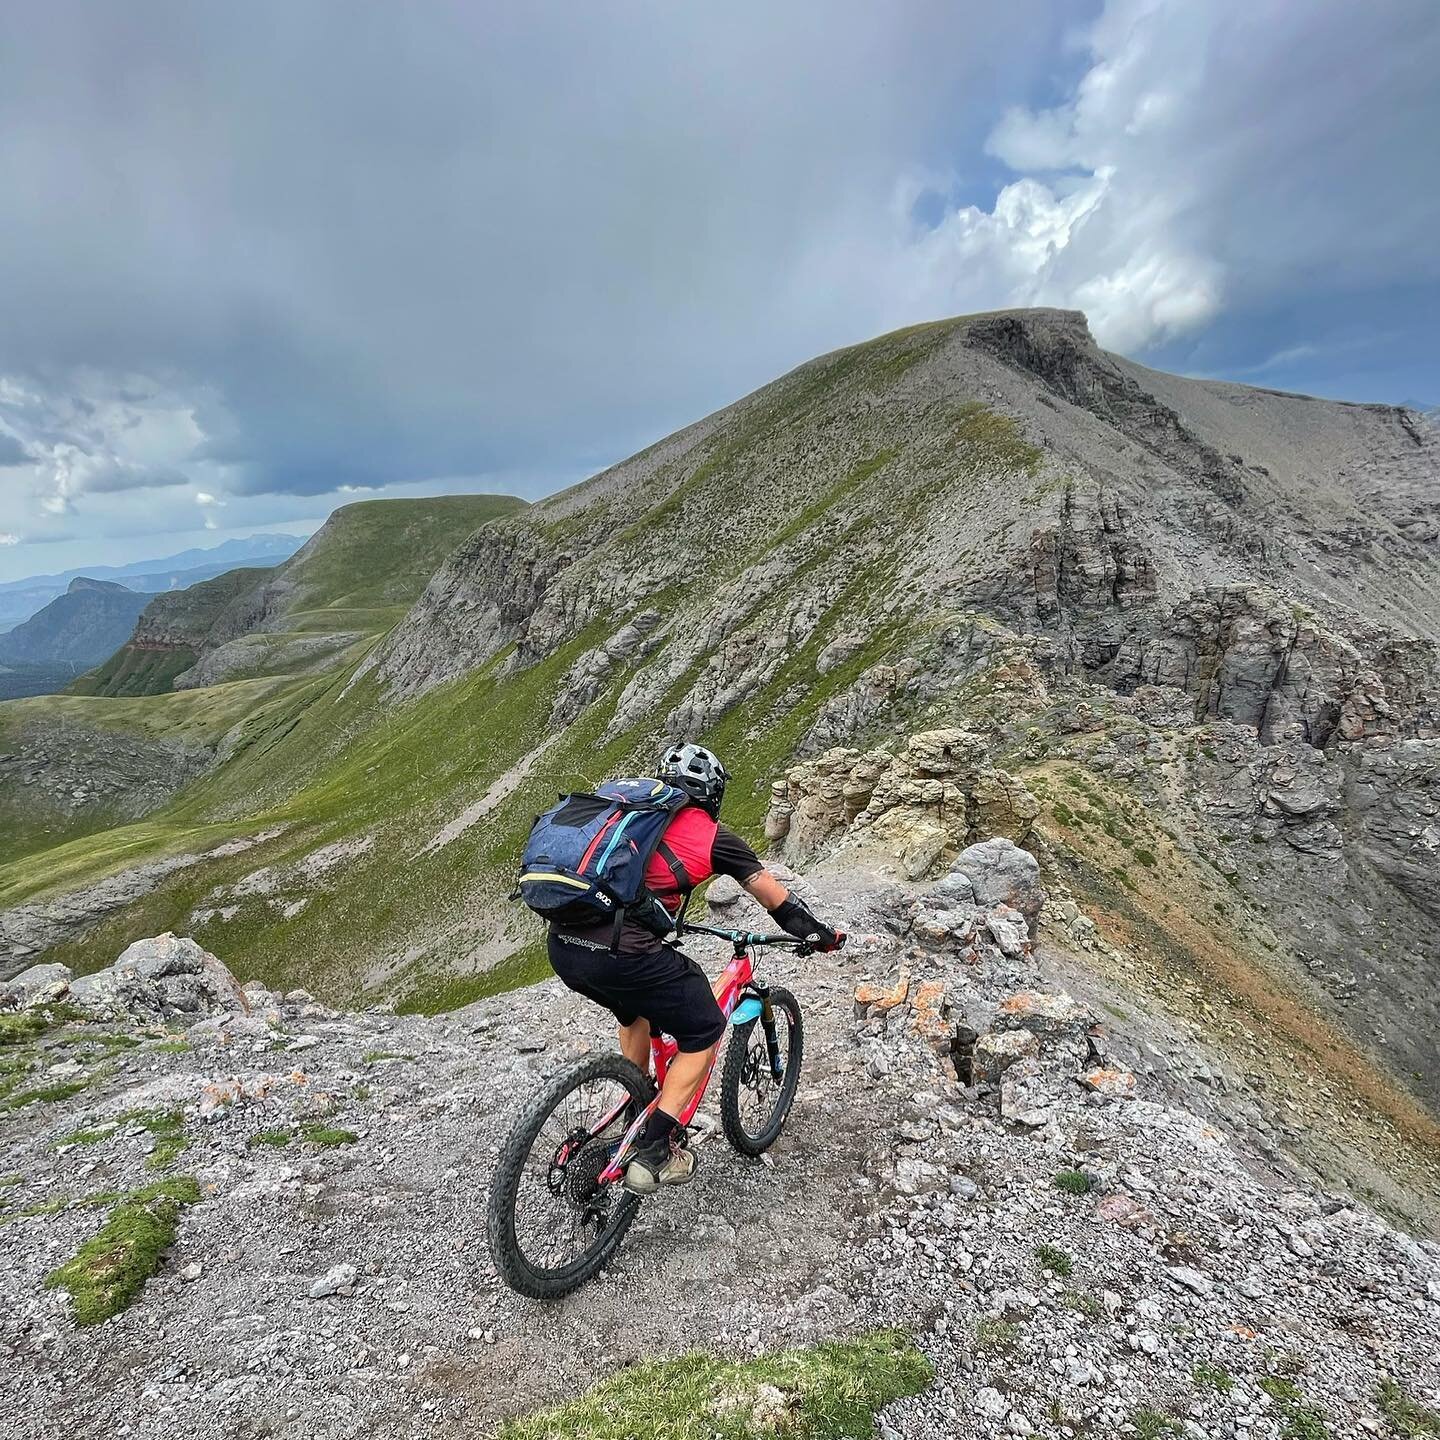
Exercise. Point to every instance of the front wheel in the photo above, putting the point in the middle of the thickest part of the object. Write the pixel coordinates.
(762, 1073)
(551, 1225)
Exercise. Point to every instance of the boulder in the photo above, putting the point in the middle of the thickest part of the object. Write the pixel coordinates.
(917, 840)
(1009, 931)
(39, 985)
(1000, 872)
(880, 999)
(1111, 1083)
(996, 1052)
(158, 979)
(1025, 1096)
(723, 893)
(1047, 1016)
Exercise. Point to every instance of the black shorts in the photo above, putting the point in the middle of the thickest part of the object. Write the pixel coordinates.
(667, 988)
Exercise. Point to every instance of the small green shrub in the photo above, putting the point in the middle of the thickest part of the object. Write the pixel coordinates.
(1406, 1417)
(1073, 1182)
(275, 1139)
(1213, 1377)
(1051, 1257)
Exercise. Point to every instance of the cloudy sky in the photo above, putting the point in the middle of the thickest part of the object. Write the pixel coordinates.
(257, 260)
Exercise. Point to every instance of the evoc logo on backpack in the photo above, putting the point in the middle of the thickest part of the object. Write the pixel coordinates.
(584, 863)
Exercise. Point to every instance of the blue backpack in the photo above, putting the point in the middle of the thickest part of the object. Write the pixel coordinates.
(584, 863)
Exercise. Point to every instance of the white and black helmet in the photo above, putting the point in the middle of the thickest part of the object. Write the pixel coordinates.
(698, 772)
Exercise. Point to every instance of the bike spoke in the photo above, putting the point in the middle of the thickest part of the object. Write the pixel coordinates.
(559, 1214)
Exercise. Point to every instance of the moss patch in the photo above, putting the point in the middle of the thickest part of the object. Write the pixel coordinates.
(825, 1393)
(327, 1136)
(109, 1270)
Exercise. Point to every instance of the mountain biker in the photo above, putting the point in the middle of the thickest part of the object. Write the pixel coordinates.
(647, 984)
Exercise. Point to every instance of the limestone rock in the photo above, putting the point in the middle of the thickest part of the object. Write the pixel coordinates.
(1112, 1084)
(1009, 931)
(39, 985)
(1024, 1095)
(1000, 872)
(996, 1052)
(159, 978)
(1045, 1014)
(879, 998)
(915, 807)
(724, 893)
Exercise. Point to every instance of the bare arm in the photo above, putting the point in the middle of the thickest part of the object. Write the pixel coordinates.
(767, 890)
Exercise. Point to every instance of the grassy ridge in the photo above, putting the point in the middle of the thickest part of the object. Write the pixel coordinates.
(358, 573)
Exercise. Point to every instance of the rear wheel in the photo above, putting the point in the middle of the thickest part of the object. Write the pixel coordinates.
(551, 1227)
(753, 1101)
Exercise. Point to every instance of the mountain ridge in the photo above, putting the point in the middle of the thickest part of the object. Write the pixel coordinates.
(1195, 625)
(78, 628)
(19, 599)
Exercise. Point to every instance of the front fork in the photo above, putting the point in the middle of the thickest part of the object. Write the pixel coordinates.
(772, 1036)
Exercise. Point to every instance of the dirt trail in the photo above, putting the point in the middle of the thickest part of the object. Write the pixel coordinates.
(895, 1196)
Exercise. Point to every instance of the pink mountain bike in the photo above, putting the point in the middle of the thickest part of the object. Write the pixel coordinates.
(558, 1208)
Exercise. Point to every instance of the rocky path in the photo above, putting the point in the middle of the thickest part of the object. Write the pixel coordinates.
(1171, 1286)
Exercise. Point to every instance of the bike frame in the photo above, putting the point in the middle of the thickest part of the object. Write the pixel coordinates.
(739, 983)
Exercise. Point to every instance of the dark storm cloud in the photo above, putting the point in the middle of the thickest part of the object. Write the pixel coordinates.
(434, 239)
(281, 249)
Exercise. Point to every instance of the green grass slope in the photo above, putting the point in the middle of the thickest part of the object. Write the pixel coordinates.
(356, 576)
(820, 485)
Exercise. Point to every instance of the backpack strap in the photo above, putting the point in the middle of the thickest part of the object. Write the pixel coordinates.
(672, 861)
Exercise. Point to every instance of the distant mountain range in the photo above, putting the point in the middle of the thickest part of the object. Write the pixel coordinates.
(73, 632)
(20, 599)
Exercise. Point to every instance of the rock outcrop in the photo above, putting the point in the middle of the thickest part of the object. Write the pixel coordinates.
(164, 978)
(918, 806)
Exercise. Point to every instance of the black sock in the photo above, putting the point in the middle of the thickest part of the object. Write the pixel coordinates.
(658, 1126)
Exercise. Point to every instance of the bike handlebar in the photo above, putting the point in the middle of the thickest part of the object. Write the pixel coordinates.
(740, 938)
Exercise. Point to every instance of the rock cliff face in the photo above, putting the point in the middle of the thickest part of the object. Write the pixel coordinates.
(993, 524)
(340, 587)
